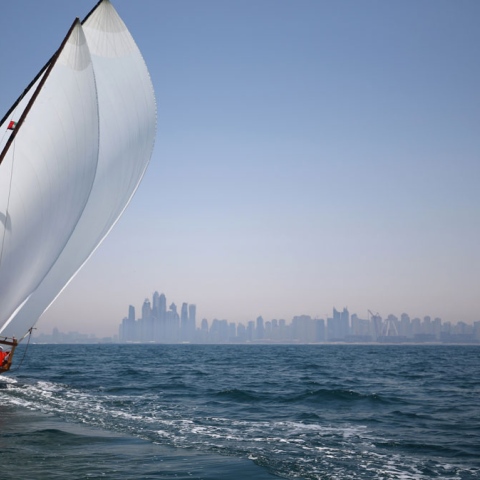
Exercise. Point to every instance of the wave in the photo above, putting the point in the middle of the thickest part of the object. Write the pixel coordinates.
(303, 449)
(336, 396)
(295, 425)
(238, 395)
(56, 436)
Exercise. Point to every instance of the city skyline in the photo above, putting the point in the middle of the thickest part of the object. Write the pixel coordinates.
(368, 315)
(159, 323)
(308, 155)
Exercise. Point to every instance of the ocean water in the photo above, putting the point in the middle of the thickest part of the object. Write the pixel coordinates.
(242, 412)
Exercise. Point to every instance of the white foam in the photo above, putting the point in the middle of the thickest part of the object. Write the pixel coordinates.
(289, 448)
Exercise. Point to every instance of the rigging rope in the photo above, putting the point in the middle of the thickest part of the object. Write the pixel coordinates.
(25, 352)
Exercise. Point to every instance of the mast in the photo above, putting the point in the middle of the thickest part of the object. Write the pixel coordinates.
(48, 67)
(47, 172)
(29, 86)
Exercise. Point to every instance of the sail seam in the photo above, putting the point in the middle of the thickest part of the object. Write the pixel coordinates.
(91, 11)
(8, 205)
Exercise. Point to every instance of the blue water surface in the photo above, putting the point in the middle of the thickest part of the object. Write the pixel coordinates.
(242, 411)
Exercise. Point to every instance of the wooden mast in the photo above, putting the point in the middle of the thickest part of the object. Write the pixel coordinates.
(49, 68)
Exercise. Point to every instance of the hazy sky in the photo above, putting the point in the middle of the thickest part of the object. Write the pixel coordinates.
(310, 154)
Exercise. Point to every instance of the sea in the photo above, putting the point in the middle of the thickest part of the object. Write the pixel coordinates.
(152, 411)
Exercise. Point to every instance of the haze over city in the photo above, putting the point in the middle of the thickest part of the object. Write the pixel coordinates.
(309, 155)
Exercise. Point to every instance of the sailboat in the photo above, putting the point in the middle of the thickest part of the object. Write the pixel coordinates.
(73, 150)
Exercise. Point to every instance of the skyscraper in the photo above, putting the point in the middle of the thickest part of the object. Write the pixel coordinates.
(260, 331)
(192, 323)
(184, 322)
(146, 322)
(173, 324)
(162, 318)
(131, 313)
(156, 317)
(338, 327)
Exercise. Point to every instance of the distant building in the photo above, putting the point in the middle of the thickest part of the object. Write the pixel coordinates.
(157, 324)
(338, 327)
(260, 332)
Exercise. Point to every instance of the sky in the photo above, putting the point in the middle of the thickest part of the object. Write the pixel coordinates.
(309, 155)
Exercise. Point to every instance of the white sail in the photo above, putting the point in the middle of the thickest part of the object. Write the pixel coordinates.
(48, 167)
(127, 114)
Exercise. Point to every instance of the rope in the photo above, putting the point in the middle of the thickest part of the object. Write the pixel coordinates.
(24, 353)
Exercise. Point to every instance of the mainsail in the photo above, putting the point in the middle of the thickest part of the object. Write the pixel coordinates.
(111, 126)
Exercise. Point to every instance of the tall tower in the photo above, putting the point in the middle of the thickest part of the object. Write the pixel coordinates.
(155, 305)
(156, 317)
(162, 306)
(344, 323)
(131, 313)
(192, 323)
(184, 322)
(260, 330)
(173, 324)
(162, 319)
(192, 311)
(129, 331)
(146, 323)
(338, 327)
(146, 309)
